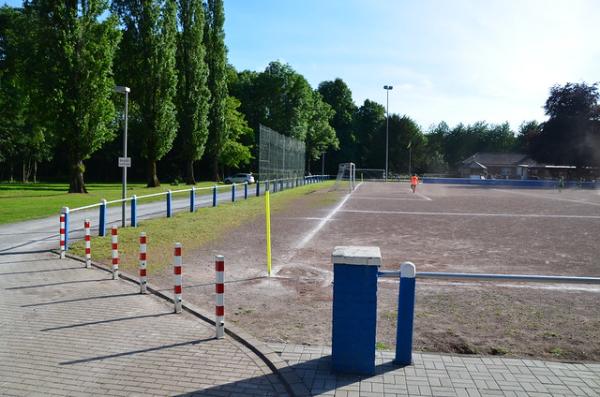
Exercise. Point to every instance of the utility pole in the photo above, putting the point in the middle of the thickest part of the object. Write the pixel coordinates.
(387, 89)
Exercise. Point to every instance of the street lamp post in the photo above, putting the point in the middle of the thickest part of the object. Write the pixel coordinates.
(387, 89)
(124, 90)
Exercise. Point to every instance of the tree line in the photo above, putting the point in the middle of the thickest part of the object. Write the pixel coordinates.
(192, 113)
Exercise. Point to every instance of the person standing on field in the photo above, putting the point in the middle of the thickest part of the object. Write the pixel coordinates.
(414, 180)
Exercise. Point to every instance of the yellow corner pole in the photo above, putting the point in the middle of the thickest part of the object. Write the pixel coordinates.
(268, 223)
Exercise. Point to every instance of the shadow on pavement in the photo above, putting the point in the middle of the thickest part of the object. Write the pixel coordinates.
(61, 283)
(129, 353)
(82, 299)
(106, 321)
(38, 271)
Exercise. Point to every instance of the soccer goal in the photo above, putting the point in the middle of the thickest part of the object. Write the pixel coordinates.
(370, 174)
(346, 177)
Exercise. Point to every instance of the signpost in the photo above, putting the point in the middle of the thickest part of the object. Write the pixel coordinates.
(124, 161)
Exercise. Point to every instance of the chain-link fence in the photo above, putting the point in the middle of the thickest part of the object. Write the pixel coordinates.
(279, 156)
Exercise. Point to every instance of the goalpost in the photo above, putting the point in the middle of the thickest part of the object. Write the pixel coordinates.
(370, 174)
(346, 177)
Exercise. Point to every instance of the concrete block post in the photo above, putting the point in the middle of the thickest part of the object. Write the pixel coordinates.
(65, 211)
(214, 204)
(406, 314)
(102, 221)
(354, 309)
(192, 199)
(169, 198)
(245, 190)
(134, 211)
(233, 192)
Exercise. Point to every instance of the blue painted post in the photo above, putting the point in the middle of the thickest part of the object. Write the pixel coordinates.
(65, 211)
(192, 199)
(134, 211)
(275, 186)
(257, 189)
(169, 204)
(354, 309)
(246, 191)
(233, 192)
(406, 314)
(214, 196)
(102, 219)
(281, 185)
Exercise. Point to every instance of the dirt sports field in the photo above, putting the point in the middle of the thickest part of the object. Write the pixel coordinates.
(440, 228)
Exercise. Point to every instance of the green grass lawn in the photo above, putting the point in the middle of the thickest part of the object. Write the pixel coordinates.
(193, 230)
(23, 201)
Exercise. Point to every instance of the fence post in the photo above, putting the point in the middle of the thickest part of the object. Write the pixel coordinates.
(143, 258)
(178, 280)
(214, 196)
(192, 199)
(354, 309)
(115, 252)
(245, 190)
(65, 211)
(102, 219)
(134, 211)
(220, 301)
(233, 192)
(62, 235)
(169, 203)
(406, 314)
(257, 188)
(88, 244)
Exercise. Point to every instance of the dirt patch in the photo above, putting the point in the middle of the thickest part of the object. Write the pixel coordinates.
(493, 319)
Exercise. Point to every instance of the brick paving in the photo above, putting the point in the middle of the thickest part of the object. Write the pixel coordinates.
(443, 375)
(70, 331)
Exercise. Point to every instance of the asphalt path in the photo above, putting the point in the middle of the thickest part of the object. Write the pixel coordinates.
(41, 235)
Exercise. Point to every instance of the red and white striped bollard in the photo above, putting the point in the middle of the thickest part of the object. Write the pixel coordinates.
(62, 236)
(143, 278)
(220, 299)
(178, 279)
(115, 252)
(88, 244)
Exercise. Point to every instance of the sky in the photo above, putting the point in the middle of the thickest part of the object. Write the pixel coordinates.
(456, 61)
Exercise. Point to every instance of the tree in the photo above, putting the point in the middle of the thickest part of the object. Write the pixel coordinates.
(571, 135)
(528, 131)
(147, 65)
(369, 123)
(337, 94)
(406, 144)
(77, 43)
(192, 93)
(320, 135)
(237, 148)
(216, 60)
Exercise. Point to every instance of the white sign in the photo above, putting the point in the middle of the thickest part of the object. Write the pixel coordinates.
(124, 161)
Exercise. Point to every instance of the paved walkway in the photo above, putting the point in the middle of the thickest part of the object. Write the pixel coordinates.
(67, 330)
(443, 375)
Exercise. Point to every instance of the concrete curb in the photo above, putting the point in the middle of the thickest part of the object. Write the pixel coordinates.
(294, 386)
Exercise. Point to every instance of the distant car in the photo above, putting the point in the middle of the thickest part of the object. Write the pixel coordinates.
(240, 178)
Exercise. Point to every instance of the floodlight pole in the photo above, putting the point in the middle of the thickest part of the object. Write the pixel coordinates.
(387, 89)
(124, 90)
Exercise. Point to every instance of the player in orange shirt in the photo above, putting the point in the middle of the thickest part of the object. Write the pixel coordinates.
(414, 180)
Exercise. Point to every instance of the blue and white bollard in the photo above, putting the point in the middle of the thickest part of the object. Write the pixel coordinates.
(233, 192)
(134, 211)
(245, 190)
(406, 314)
(65, 211)
(192, 199)
(102, 221)
(214, 196)
(169, 196)
(354, 309)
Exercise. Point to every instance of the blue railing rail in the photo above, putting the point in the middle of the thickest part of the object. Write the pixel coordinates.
(498, 277)
(274, 185)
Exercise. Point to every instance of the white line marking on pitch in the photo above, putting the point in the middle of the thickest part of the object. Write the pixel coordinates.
(313, 232)
(547, 197)
(386, 198)
(423, 196)
(475, 214)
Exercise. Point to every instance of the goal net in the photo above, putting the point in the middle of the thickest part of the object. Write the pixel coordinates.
(370, 174)
(346, 177)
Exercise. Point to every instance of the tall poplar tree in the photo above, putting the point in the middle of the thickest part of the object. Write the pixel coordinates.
(76, 45)
(147, 65)
(216, 58)
(192, 93)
